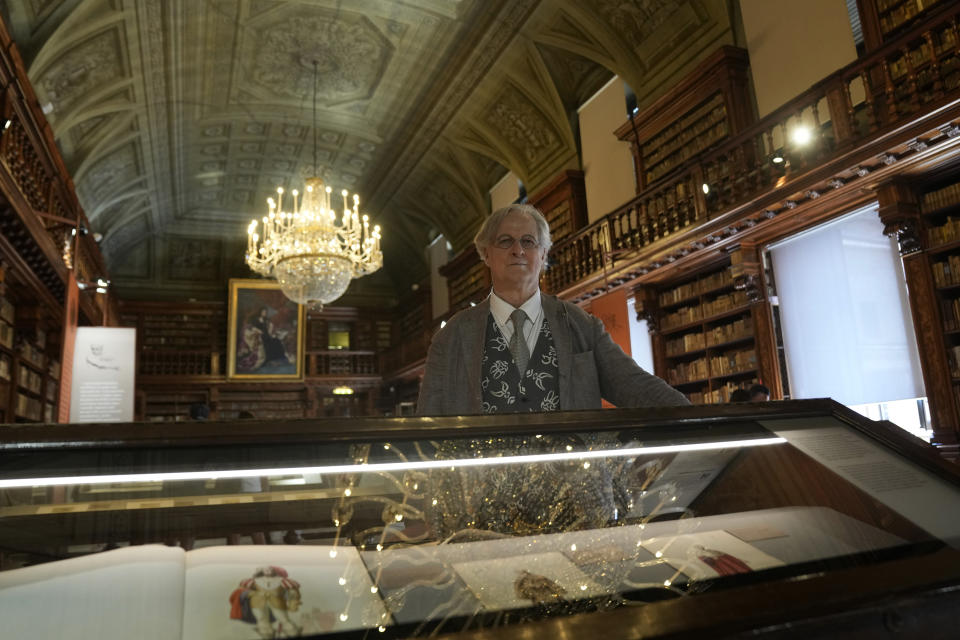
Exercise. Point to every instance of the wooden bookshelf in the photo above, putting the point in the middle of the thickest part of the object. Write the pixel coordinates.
(468, 285)
(940, 209)
(264, 401)
(896, 14)
(707, 107)
(923, 213)
(171, 405)
(706, 340)
(29, 360)
(185, 339)
(691, 134)
(884, 20)
(563, 202)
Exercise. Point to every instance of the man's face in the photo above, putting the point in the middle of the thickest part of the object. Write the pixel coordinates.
(515, 266)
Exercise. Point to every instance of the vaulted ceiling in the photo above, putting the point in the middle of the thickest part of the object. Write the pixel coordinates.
(178, 118)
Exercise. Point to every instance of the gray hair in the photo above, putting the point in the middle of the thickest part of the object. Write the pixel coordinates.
(488, 232)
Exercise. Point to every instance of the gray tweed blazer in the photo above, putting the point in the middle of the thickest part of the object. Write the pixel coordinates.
(592, 365)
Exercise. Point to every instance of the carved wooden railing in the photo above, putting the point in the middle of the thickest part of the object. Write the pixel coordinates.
(866, 100)
(41, 203)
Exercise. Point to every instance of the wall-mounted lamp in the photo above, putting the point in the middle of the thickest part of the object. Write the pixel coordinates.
(342, 391)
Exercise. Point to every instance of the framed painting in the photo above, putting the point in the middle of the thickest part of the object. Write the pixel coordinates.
(265, 332)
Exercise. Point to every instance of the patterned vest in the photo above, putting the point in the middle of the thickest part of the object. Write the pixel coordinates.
(504, 389)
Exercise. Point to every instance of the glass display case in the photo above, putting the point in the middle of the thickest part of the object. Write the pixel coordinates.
(769, 519)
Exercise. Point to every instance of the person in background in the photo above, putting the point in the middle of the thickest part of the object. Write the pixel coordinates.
(759, 393)
(523, 351)
(200, 411)
(740, 395)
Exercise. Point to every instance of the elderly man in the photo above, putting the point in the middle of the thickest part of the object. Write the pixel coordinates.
(520, 350)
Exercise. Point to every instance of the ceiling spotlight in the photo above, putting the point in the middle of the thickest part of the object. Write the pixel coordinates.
(777, 158)
(706, 188)
(801, 135)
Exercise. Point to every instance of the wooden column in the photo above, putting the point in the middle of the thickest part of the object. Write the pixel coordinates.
(747, 267)
(900, 213)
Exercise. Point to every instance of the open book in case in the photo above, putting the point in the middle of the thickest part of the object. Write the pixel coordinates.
(718, 521)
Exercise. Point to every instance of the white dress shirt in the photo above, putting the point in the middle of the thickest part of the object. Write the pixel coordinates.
(501, 310)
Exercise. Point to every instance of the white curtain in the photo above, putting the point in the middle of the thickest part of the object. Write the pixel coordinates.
(844, 313)
(640, 345)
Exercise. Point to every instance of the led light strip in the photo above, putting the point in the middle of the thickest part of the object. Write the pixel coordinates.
(385, 466)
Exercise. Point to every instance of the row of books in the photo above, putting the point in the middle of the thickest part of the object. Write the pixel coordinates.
(677, 294)
(899, 14)
(690, 289)
(718, 305)
(941, 198)
(697, 119)
(663, 164)
(733, 362)
(686, 371)
(31, 354)
(720, 395)
(27, 407)
(6, 334)
(703, 368)
(947, 273)
(742, 328)
(7, 310)
(689, 342)
(950, 310)
(945, 233)
(30, 379)
(681, 316)
(724, 303)
(953, 354)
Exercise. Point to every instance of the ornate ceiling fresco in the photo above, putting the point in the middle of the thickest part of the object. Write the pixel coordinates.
(178, 118)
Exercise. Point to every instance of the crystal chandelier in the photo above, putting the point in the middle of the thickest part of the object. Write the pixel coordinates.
(312, 256)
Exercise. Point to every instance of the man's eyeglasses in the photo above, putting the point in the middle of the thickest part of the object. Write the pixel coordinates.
(527, 243)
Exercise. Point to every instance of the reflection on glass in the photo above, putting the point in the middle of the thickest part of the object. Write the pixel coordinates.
(441, 534)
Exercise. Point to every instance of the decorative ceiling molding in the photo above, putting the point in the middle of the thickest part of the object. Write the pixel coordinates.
(181, 117)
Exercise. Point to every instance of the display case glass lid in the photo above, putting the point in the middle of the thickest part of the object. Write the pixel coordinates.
(407, 527)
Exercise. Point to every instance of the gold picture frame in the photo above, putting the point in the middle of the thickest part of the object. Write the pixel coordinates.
(264, 332)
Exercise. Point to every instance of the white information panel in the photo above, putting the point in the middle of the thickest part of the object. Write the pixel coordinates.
(104, 359)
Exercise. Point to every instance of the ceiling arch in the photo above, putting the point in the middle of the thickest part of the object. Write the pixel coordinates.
(178, 118)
